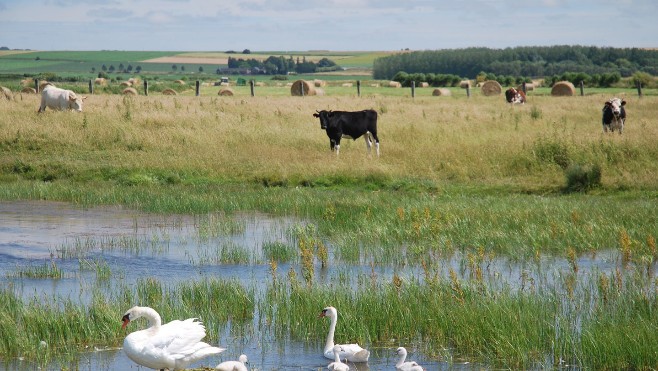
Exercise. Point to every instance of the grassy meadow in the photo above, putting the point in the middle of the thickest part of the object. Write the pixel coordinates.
(456, 174)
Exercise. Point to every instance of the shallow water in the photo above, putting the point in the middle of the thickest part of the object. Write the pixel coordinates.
(181, 248)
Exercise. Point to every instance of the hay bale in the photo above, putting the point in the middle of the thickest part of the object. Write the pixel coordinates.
(6, 92)
(169, 92)
(491, 87)
(441, 92)
(260, 83)
(126, 84)
(297, 86)
(134, 80)
(528, 87)
(465, 84)
(100, 81)
(319, 83)
(347, 85)
(29, 90)
(563, 89)
(43, 84)
(319, 91)
(129, 91)
(424, 85)
(374, 85)
(27, 82)
(394, 84)
(179, 82)
(225, 92)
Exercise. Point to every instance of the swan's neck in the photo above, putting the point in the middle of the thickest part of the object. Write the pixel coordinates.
(401, 360)
(152, 316)
(337, 357)
(330, 337)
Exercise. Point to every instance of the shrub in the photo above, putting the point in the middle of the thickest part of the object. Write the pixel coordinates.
(552, 151)
(581, 178)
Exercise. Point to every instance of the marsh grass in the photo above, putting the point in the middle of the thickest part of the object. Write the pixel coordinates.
(47, 270)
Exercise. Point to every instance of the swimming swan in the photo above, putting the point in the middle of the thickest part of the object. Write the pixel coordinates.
(337, 365)
(240, 365)
(350, 352)
(401, 365)
(173, 346)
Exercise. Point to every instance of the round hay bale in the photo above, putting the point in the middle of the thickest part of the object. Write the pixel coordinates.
(43, 84)
(528, 87)
(100, 81)
(260, 83)
(27, 82)
(169, 92)
(394, 84)
(465, 84)
(129, 91)
(6, 92)
(563, 89)
(29, 90)
(374, 85)
(297, 86)
(424, 85)
(226, 92)
(441, 92)
(319, 83)
(491, 87)
(134, 80)
(126, 84)
(319, 91)
(179, 82)
(347, 85)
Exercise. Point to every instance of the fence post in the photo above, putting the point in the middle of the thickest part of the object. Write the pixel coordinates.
(358, 88)
(146, 88)
(413, 89)
(251, 87)
(639, 88)
(36, 85)
(302, 87)
(582, 88)
(468, 91)
(524, 88)
(198, 88)
(91, 87)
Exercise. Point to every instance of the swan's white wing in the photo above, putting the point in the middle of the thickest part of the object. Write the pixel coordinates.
(180, 337)
(335, 366)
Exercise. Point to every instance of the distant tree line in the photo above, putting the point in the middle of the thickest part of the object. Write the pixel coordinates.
(281, 65)
(532, 61)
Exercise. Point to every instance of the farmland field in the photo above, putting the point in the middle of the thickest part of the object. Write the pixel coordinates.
(506, 236)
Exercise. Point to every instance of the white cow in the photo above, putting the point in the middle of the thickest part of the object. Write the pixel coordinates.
(60, 99)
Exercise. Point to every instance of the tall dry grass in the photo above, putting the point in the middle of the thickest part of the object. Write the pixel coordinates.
(476, 141)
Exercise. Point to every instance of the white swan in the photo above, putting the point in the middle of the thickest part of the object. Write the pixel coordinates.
(350, 352)
(401, 365)
(240, 365)
(173, 346)
(337, 365)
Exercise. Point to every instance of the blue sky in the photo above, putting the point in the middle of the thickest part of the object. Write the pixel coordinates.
(269, 25)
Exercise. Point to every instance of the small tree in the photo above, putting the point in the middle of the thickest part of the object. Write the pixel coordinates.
(200, 69)
(174, 67)
(138, 69)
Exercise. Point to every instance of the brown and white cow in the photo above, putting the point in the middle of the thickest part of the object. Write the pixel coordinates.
(513, 95)
(60, 99)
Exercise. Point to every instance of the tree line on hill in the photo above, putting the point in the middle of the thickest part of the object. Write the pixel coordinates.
(279, 65)
(596, 65)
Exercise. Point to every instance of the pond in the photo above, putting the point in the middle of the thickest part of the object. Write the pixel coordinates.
(177, 248)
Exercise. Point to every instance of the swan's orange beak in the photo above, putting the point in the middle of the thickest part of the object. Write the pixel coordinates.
(125, 321)
(323, 313)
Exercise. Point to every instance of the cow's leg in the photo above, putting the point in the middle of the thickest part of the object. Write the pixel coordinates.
(368, 139)
(42, 107)
(621, 126)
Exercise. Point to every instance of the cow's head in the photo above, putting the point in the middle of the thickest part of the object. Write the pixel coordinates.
(615, 105)
(75, 102)
(324, 117)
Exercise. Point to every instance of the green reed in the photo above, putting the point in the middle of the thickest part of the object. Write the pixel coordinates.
(47, 270)
(535, 327)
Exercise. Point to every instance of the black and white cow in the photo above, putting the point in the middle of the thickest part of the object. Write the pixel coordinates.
(614, 115)
(343, 124)
(513, 95)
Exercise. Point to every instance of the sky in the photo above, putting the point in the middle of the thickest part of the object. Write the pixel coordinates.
(336, 25)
